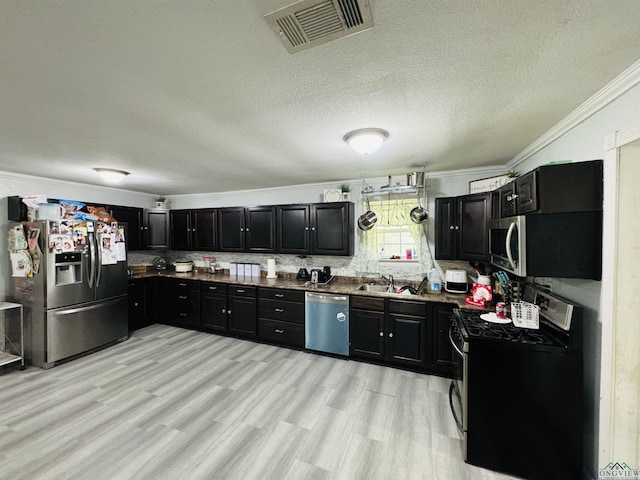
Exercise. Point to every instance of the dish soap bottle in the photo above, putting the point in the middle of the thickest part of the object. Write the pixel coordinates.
(434, 284)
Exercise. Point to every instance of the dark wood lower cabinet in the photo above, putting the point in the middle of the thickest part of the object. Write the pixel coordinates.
(399, 332)
(242, 311)
(144, 302)
(442, 359)
(182, 299)
(406, 339)
(281, 316)
(367, 328)
(409, 333)
(214, 306)
(135, 293)
(406, 328)
(393, 331)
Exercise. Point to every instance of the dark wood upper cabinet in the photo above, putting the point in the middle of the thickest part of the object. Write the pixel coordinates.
(474, 213)
(462, 227)
(260, 232)
(446, 237)
(231, 226)
(332, 228)
(560, 188)
(193, 229)
(319, 228)
(293, 228)
(156, 228)
(133, 217)
(180, 221)
(204, 228)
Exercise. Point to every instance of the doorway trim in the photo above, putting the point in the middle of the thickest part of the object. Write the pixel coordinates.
(608, 300)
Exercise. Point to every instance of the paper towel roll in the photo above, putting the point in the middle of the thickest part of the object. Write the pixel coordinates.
(271, 268)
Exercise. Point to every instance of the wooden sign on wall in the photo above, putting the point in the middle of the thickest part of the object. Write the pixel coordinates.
(488, 184)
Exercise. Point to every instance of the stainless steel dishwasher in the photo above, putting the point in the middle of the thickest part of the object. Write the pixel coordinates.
(326, 325)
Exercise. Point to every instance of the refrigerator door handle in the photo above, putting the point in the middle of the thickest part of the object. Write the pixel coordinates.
(98, 266)
(92, 260)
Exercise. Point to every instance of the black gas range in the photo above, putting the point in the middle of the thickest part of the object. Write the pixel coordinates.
(548, 337)
(517, 395)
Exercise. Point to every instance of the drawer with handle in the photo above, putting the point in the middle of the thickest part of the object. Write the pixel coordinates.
(285, 333)
(279, 310)
(282, 294)
(215, 288)
(242, 291)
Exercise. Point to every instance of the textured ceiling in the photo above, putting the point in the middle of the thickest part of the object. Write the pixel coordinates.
(201, 96)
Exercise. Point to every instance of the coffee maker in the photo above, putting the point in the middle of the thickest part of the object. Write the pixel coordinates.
(320, 276)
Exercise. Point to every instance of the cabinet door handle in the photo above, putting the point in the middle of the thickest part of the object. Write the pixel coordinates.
(382, 334)
(224, 310)
(135, 304)
(213, 288)
(239, 290)
(452, 227)
(279, 310)
(182, 297)
(228, 312)
(313, 229)
(390, 334)
(182, 284)
(183, 314)
(279, 331)
(457, 227)
(306, 228)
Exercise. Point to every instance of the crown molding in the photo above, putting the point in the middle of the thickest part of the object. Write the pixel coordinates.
(616, 88)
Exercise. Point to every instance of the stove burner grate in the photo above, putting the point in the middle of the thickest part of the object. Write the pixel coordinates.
(478, 328)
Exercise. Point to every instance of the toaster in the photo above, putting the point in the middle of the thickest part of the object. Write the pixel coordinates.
(456, 281)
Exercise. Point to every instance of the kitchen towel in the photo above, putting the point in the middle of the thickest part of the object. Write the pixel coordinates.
(271, 268)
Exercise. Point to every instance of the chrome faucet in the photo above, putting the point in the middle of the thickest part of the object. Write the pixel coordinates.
(392, 287)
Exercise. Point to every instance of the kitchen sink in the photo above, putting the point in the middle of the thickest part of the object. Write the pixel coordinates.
(370, 287)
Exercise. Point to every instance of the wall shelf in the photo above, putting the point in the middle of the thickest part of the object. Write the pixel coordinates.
(392, 189)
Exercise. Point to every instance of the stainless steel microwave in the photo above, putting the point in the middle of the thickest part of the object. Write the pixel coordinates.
(508, 244)
(562, 245)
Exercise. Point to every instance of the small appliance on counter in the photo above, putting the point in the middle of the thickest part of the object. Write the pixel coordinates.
(183, 266)
(160, 263)
(303, 273)
(456, 281)
(321, 276)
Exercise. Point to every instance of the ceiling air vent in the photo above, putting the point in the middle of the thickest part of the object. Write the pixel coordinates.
(313, 22)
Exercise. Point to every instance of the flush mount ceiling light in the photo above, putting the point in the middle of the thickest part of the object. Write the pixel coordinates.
(366, 140)
(111, 175)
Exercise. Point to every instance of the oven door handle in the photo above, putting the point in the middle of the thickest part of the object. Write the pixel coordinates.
(453, 344)
(452, 389)
(512, 227)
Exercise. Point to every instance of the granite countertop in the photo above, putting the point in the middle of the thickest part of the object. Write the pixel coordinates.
(339, 285)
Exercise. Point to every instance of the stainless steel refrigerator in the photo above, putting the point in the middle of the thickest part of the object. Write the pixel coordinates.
(75, 301)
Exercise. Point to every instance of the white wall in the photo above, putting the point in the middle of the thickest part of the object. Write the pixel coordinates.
(586, 141)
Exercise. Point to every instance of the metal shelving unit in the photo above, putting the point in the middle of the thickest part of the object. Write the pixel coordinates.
(392, 189)
(12, 334)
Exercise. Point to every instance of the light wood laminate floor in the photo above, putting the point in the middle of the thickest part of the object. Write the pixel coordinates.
(178, 404)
